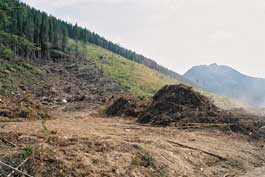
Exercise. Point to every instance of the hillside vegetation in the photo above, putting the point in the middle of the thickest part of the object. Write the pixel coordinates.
(49, 34)
(138, 79)
(14, 74)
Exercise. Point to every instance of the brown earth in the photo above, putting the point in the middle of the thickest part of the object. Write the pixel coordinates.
(78, 144)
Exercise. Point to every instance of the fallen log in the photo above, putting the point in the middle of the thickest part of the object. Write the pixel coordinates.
(192, 148)
(201, 125)
(8, 142)
(9, 166)
(20, 165)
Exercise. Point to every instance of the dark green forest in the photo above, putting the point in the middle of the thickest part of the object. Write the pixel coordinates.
(30, 33)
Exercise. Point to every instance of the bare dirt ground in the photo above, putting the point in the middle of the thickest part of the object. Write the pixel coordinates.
(78, 144)
(258, 172)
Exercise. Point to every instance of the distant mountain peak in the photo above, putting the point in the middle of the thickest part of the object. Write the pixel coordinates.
(227, 81)
(213, 65)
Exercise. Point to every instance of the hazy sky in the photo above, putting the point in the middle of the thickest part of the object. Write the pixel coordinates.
(176, 33)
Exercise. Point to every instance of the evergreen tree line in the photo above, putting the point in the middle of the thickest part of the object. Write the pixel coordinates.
(48, 33)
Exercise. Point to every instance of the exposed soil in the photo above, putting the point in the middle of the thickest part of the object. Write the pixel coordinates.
(77, 144)
(257, 172)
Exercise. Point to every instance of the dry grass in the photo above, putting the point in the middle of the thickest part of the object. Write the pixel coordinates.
(81, 145)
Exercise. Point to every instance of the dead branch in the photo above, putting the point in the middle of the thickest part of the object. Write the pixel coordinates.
(201, 125)
(207, 124)
(192, 148)
(20, 165)
(8, 166)
(8, 142)
(133, 128)
(202, 101)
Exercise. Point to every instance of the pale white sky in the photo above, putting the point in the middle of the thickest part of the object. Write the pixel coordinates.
(176, 33)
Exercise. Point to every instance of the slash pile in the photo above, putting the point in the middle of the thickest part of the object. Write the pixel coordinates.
(22, 106)
(125, 106)
(181, 106)
(174, 103)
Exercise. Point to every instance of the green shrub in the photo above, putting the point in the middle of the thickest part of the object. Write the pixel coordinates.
(6, 53)
(27, 151)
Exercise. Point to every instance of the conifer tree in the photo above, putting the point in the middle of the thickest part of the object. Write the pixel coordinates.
(43, 36)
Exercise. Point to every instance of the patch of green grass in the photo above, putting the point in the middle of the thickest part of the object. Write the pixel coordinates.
(136, 78)
(13, 73)
(6, 52)
(27, 151)
(44, 127)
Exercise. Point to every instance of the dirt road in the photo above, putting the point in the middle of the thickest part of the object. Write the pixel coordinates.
(85, 145)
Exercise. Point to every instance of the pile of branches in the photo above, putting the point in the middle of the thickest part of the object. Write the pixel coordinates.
(22, 106)
(174, 103)
(126, 106)
(181, 106)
